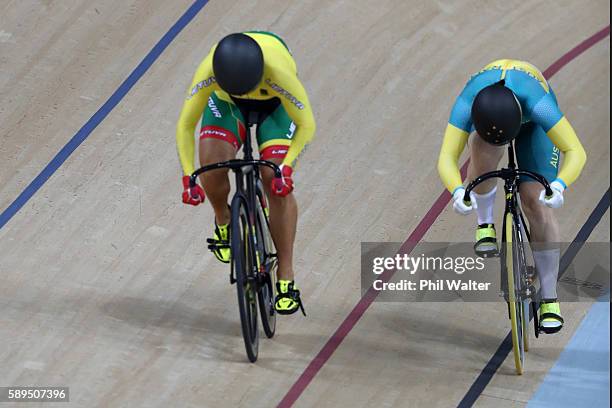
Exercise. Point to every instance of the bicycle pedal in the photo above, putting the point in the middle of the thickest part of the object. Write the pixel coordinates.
(214, 247)
(487, 254)
(212, 241)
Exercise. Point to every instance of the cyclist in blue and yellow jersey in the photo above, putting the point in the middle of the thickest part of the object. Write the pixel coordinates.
(252, 71)
(507, 100)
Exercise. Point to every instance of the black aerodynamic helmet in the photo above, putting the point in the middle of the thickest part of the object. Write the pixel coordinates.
(238, 64)
(497, 114)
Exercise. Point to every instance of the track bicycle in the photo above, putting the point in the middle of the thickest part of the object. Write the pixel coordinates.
(253, 254)
(517, 276)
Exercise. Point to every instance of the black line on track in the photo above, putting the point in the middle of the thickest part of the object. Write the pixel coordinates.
(487, 373)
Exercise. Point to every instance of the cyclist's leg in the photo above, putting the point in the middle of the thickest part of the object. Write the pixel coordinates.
(535, 152)
(283, 224)
(484, 158)
(274, 137)
(544, 231)
(543, 224)
(221, 135)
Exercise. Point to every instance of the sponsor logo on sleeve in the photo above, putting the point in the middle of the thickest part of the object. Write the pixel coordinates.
(280, 90)
(292, 128)
(202, 84)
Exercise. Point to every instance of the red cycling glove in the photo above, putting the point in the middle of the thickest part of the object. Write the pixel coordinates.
(192, 195)
(284, 185)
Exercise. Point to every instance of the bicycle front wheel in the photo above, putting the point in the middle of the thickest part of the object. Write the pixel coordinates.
(515, 305)
(243, 270)
(521, 276)
(268, 264)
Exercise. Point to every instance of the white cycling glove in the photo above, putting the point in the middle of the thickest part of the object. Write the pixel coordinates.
(556, 199)
(460, 206)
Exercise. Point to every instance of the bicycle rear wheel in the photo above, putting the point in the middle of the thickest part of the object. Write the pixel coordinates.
(517, 316)
(266, 253)
(243, 270)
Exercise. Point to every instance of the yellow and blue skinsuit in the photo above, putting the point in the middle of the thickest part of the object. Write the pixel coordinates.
(545, 129)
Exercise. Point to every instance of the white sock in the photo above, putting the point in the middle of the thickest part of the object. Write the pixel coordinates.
(485, 205)
(547, 264)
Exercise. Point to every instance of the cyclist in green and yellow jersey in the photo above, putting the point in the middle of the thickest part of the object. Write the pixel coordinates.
(254, 71)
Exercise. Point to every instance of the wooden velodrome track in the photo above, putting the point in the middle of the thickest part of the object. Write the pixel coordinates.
(106, 283)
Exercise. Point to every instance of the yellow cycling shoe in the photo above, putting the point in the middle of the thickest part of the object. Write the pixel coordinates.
(486, 241)
(287, 298)
(219, 244)
(551, 320)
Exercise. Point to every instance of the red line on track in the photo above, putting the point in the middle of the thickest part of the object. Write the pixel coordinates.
(576, 51)
(417, 234)
(366, 300)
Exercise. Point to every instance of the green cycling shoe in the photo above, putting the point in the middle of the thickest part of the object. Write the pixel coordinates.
(551, 320)
(288, 299)
(219, 244)
(486, 241)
